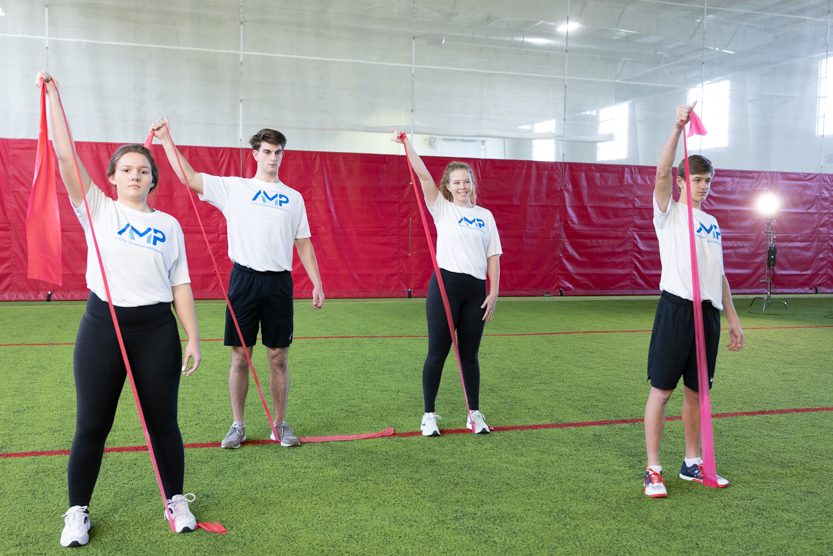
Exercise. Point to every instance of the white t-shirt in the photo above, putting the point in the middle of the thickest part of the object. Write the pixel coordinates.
(674, 252)
(466, 237)
(263, 220)
(143, 252)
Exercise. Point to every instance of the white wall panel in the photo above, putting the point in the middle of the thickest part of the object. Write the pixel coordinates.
(471, 77)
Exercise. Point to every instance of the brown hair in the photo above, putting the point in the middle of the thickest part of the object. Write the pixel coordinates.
(457, 165)
(134, 148)
(267, 135)
(697, 164)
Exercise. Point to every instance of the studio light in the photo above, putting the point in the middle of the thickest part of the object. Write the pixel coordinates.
(768, 204)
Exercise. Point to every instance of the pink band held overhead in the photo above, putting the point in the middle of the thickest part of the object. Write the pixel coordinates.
(706, 432)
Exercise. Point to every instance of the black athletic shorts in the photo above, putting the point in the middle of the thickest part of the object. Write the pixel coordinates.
(672, 353)
(260, 299)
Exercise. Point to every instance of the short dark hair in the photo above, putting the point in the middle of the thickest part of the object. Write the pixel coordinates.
(267, 135)
(134, 148)
(697, 164)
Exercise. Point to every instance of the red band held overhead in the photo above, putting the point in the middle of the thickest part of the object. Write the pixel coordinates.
(440, 282)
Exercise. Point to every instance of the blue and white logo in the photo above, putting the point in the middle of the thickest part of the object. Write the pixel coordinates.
(473, 223)
(710, 232)
(278, 200)
(151, 236)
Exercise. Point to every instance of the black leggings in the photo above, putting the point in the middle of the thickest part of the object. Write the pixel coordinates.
(465, 296)
(152, 341)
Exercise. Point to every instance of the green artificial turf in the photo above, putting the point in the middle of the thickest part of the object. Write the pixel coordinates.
(574, 490)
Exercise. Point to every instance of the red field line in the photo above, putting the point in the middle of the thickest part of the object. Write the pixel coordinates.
(390, 433)
(421, 336)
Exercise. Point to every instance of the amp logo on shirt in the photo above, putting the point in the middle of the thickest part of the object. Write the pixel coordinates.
(474, 223)
(278, 200)
(710, 232)
(151, 236)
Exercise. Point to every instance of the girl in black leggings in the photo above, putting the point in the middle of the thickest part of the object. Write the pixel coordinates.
(147, 271)
(468, 252)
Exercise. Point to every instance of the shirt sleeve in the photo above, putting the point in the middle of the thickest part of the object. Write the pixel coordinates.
(660, 218)
(302, 231)
(494, 247)
(215, 191)
(439, 207)
(178, 273)
(95, 199)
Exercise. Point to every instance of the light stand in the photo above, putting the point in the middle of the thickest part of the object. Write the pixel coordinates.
(769, 273)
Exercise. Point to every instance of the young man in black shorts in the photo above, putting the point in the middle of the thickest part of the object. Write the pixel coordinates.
(265, 218)
(672, 352)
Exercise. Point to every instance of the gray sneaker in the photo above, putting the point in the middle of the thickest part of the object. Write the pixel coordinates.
(235, 437)
(288, 437)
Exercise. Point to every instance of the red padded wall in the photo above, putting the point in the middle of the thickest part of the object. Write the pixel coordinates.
(580, 228)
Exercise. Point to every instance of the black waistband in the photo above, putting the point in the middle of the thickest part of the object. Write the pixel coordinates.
(460, 278)
(682, 301)
(242, 268)
(129, 317)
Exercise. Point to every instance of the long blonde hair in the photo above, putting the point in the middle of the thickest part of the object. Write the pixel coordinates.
(457, 165)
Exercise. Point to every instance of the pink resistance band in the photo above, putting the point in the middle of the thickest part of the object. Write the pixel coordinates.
(116, 320)
(440, 283)
(272, 426)
(706, 432)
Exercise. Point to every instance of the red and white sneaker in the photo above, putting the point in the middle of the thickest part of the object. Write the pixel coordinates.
(655, 484)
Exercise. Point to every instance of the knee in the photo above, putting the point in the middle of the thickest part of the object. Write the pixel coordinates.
(691, 396)
(278, 360)
(92, 432)
(434, 360)
(659, 396)
(239, 362)
(469, 359)
(161, 421)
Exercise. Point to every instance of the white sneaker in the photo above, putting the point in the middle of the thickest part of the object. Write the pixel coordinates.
(184, 520)
(235, 437)
(480, 426)
(288, 436)
(77, 527)
(429, 424)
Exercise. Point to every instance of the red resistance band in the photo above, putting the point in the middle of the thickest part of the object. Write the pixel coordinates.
(272, 426)
(212, 527)
(706, 432)
(440, 283)
(43, 221)
(115, 319)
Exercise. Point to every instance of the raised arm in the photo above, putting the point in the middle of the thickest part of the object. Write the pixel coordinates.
(175, 158)
(429, 188)
(307, 255)
(736, 337)
(64, 147)
(663, 184)
(184, 307)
